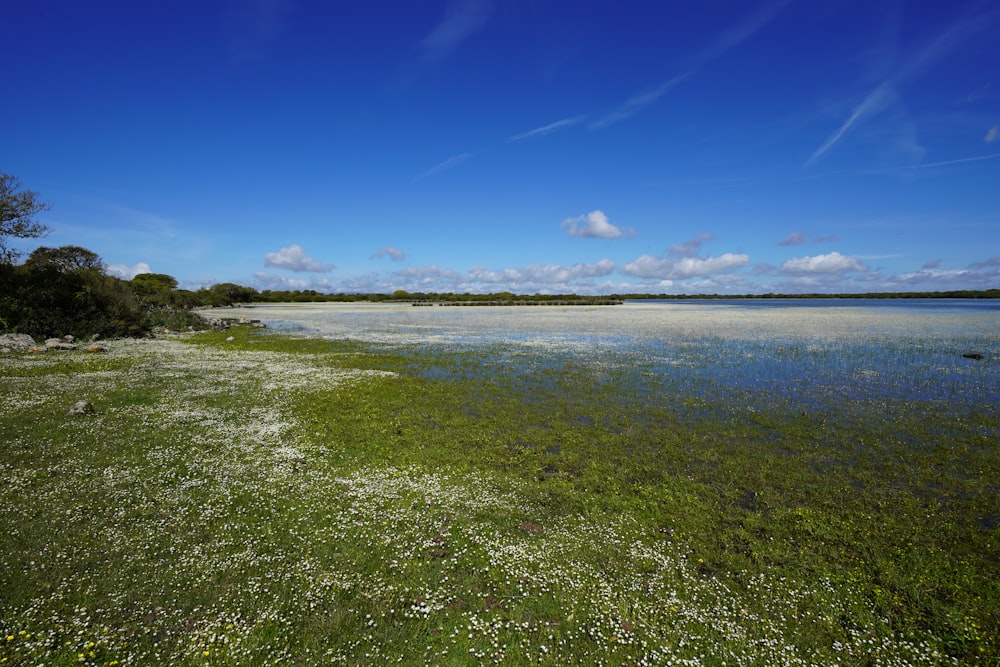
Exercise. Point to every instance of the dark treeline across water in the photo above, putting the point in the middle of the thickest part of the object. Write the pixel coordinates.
(248, 295)
(937, 304)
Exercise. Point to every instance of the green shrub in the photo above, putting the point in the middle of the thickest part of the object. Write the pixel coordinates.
(45, 301)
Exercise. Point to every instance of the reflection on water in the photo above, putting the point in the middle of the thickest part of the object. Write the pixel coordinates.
(804, 351)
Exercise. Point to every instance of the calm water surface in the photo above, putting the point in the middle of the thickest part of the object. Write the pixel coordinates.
(800, 350)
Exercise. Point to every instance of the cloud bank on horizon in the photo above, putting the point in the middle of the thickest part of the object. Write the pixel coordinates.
(476, 146)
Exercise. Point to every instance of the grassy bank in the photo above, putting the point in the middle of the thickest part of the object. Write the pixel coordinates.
(270, 500)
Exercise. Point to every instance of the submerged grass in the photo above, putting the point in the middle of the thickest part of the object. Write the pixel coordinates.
(270, 500)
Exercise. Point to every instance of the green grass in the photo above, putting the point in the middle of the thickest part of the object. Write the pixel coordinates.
(270, 499)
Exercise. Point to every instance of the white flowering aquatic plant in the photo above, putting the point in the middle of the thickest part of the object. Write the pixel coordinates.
(267, 501)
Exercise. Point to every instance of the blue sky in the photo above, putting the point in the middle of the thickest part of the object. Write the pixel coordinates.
(525, 145)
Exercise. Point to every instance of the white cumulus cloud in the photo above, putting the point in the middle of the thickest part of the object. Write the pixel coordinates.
(936, 276)
(395, 254)
(269, 281)
(428, 274)
(795, 238)
(125, 271)
(987, 263)
(692, 247)
(680, 268)
(549, 278)
(594, 225)
(294, 258)
(830, 263)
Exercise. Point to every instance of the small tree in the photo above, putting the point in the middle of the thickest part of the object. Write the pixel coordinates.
(228, 294)
(156, 290)
(152, 283)
(18, 208)
(65, 258)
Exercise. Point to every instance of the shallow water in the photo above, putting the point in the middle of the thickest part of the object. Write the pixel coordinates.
(804, 351)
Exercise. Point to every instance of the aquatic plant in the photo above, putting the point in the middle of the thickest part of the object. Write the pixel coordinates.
(270, 499)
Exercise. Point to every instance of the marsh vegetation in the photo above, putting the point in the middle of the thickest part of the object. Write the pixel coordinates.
(631, 485)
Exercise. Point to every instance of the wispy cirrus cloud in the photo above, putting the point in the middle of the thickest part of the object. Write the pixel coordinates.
(876, 101)
(933, 165)
(884, 95)
(548, 129)
(445, 166)
(725, 42)
(462, 19)
(992, 134)
(635, 104)
(741, 32)
(252, 25)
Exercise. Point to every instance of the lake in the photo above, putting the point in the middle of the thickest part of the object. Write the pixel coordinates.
(806, 352)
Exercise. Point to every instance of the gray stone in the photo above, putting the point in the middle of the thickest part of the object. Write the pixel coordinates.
(82, 408)
(16, 342)
(59, 344)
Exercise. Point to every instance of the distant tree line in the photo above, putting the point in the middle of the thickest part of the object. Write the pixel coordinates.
(951, 294)
(250, 295)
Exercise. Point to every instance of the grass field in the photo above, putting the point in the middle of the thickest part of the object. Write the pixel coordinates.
(278, 500)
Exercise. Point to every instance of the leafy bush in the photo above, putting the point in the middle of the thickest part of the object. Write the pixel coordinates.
(42, 300)
(63, 291)
(176, 319)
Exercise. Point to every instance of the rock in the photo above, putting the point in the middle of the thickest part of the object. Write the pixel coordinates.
(59, 344)
(16, 342)
(230, 339)
(82, 408)
(972, 355)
